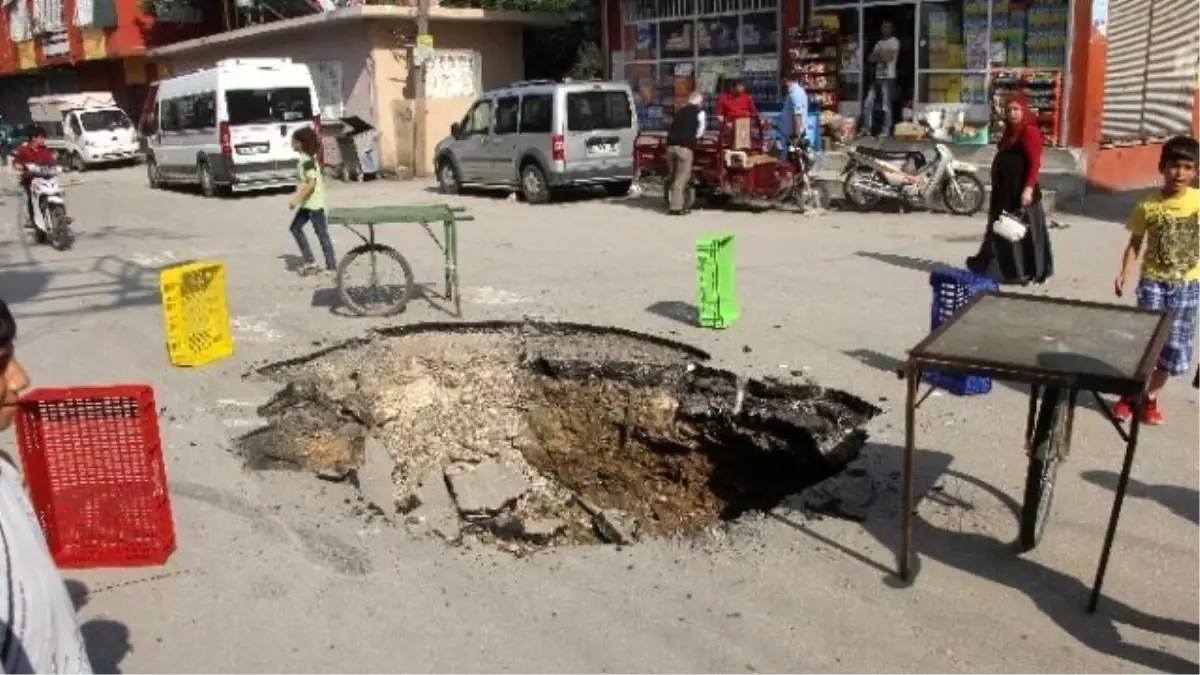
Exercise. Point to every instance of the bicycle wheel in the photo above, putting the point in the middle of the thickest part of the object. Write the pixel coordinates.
(379, 295)
(1045, 456)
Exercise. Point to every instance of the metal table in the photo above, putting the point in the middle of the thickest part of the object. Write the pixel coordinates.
(1055, 346)
(370, 216)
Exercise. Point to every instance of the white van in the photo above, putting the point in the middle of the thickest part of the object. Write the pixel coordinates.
(229, 128)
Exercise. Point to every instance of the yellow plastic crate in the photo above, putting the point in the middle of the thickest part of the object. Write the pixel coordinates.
(196, 314)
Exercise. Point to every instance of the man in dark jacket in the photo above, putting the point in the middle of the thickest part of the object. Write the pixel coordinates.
(687, 126)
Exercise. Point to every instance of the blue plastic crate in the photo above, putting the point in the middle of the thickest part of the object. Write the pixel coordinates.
(952, 290)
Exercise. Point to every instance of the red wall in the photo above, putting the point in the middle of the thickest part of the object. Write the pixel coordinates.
(134, 33)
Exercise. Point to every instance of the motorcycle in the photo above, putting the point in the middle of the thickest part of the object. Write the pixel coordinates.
(50, 221)
(873, 175)
(807, 192)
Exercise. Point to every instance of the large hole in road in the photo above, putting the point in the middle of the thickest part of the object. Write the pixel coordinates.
(529, 435)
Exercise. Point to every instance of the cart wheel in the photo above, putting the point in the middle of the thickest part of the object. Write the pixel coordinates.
(378, 294)
(1044, 460)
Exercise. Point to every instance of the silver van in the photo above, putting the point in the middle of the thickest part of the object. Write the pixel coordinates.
(541, 135)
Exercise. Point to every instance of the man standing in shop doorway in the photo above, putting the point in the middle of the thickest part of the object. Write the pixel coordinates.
(883, 88)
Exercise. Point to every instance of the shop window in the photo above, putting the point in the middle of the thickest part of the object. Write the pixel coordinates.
(760, 33)
(951, 91)
(717, 36)
(507, 110)
(677, 39)
(674, 47)
(1029, 34)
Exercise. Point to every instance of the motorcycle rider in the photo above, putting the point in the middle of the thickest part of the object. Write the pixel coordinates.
(33, 152)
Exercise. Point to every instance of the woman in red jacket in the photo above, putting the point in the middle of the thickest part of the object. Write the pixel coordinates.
(1015, 191)
(735, 103)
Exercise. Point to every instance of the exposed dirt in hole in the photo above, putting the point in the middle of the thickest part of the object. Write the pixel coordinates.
(534, 435)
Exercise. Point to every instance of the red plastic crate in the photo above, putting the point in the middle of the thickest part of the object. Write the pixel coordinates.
(93, 460)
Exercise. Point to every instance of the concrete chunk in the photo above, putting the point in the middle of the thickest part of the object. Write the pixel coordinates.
(434, 508)
(488, 489)
(374, 477)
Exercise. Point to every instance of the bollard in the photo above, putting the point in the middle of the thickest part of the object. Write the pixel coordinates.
(196, 314)
(717, 291)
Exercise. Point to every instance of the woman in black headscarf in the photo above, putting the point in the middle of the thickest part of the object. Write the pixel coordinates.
(1015, 191)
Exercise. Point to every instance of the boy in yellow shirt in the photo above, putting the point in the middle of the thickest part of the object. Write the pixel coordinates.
(1168, 226)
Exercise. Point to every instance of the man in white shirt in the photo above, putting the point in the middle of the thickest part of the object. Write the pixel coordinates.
(882, 61)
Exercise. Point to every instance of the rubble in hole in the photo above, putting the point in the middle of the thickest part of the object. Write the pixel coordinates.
(533, 435)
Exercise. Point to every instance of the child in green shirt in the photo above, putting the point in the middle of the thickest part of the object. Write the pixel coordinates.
(309, 201)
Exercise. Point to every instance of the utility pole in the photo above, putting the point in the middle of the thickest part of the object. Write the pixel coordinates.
(422, 49)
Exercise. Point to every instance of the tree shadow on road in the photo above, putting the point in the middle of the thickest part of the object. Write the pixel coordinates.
(107, 641)
(1059, 596)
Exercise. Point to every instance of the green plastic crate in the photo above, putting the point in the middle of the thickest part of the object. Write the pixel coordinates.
(717, 292)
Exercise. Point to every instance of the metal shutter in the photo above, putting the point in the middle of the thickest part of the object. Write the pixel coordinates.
(1174, 66)
(1125, 72)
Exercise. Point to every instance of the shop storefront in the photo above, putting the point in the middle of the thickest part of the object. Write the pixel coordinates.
(670, 48)
(955, 54)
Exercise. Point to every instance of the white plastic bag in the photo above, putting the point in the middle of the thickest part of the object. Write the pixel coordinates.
(1010, 227)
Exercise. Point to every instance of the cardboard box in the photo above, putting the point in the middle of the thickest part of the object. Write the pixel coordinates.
(741, 133)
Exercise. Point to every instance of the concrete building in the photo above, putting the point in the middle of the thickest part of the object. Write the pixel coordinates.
(360, 59)
(66, 46)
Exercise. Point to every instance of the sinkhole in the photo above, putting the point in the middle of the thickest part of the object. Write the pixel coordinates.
(537, 434)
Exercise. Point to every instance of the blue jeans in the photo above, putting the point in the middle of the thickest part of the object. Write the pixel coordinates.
(321, 227)
(883, 92)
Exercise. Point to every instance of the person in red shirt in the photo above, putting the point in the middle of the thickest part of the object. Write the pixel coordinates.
(33, 152)
(735, 103)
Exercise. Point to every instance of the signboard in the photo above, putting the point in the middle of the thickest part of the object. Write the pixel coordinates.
(423, 50)
(327, 78)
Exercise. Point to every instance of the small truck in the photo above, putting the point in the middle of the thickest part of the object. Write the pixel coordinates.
(86, 129)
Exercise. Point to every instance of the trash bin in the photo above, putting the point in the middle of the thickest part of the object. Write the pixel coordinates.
(358, 145)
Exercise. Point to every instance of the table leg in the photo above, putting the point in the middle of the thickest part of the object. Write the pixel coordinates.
(450, 234)
(1035, 394)
(912, 385)
(1118, 500)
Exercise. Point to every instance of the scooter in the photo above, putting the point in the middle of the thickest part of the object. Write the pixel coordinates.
(50, 221)
(873, 175)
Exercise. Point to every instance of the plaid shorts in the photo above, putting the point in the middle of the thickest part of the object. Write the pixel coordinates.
(1184, 298)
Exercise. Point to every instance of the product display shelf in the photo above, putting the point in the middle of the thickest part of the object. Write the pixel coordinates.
(1043, 88)
(814, 58)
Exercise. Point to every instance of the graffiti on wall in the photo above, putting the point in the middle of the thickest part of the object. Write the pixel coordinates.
(327, 78)
(452, 74)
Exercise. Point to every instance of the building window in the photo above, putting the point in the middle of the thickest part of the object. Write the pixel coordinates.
(673, 47)
(18, 22)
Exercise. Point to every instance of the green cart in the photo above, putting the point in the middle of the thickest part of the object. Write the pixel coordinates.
(376, 297)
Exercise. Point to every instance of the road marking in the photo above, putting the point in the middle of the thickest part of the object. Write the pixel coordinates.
(486, 295)
(250, 329)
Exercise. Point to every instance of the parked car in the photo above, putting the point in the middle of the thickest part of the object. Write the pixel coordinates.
(229, 128)
(537, 136)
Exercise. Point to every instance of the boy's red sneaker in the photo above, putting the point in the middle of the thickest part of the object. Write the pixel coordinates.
(1123, 409)
(1151, 414)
